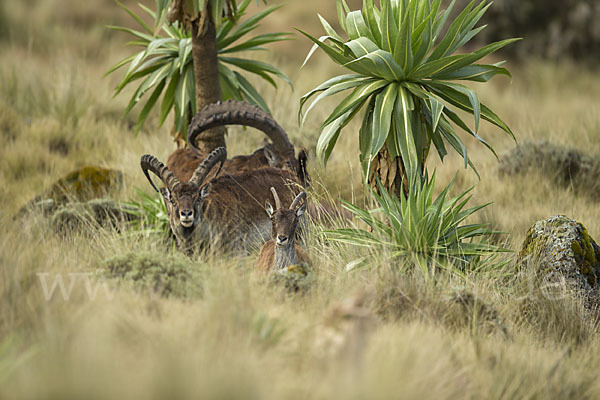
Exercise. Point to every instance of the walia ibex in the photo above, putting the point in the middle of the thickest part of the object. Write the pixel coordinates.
(278, 154)
(282, 251)
(226, 210)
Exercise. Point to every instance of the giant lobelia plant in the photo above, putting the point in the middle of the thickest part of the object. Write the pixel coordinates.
(403, 65)
(420, 227)
(190, 60)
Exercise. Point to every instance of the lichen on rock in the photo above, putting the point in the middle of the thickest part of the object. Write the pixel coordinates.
(561, 244)
(82, 185)
(85, 183)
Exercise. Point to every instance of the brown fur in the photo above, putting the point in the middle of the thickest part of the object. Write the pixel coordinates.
(266, 258)
(183, 163)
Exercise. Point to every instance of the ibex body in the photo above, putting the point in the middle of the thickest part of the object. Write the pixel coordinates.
(282, 250)
(227, 210)
(277, 154)
(183, 162)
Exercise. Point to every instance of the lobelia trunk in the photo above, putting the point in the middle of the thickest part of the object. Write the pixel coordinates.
(206, 74)
(391, 173)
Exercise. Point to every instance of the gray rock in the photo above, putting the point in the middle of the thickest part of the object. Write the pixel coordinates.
(561, 246)
(566, 166)
(84, 184)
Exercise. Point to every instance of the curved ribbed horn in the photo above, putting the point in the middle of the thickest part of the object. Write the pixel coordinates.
(276, 197)
(218, 155)
(151, 163)
(301, 196)
(240, 113)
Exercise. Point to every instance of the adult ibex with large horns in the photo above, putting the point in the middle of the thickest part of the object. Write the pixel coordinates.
(278, 154)
(227, 209)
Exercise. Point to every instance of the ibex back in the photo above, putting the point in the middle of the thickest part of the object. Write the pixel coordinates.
(277, 154)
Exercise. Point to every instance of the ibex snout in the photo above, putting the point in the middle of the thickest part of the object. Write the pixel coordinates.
(282, 240)
(186, 217)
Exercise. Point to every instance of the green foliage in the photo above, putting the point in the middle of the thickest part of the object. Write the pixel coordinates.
(419, 226)
(402, 63)
(165, 64)
(151, 212)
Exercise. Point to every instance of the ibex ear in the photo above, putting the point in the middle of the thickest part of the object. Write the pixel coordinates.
(205, 191)
(269, 208)
(300, 210)
(270, 156)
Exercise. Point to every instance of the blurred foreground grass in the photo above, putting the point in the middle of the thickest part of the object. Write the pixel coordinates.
(235, 335)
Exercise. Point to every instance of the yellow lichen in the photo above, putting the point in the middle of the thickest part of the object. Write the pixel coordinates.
(586, 256)
(85, 183)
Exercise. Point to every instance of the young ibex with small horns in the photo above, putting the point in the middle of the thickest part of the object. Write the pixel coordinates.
(282, 251)
(278, 154)
(227, 209)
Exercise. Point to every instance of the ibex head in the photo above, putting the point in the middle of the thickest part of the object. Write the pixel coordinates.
(183, 200)
(285, 220)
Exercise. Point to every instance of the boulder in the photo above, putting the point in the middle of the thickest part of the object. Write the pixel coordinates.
(82, 185)
(566, 166)
(562, 245)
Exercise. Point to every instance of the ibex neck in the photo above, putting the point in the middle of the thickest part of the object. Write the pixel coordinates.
(285, 256)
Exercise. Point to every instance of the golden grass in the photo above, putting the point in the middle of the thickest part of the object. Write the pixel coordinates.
(240, 336)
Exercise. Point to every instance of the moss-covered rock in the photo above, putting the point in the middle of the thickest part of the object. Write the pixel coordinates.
(562, 245)
(82, 185)
(567, 167)
(85, 183)
(150, 273)
(94, 213)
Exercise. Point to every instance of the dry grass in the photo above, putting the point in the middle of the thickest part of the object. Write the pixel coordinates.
(230, 333)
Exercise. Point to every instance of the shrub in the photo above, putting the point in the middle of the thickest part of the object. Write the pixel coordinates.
(165, 275)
